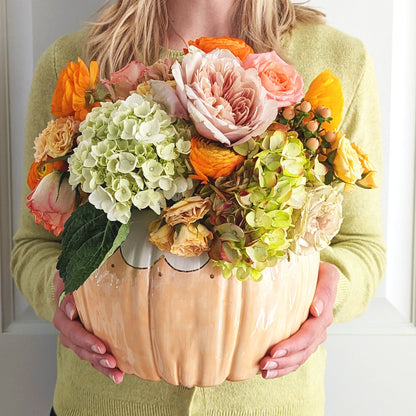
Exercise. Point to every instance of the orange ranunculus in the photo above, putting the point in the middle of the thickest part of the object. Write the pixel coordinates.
(325, 90)
(211, 159)
(40, 169)
(237, 46)
(73, 95)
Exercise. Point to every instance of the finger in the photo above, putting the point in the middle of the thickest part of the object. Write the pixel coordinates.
(270, 374)
(77, 333)
(299, 341)
(296, 359)
(106, 363)
(114, 374)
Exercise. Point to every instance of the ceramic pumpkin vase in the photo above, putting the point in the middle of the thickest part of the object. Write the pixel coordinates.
(177, 319)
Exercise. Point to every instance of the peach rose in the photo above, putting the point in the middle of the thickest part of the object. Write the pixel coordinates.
(56, 139)
(281, 80)
(187, 211)
(161, 236)
(192, 240)
(347, 164)
(52, 202)
(226, 102)
(125, 80)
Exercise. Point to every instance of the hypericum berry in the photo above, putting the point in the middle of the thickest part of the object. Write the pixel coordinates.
(323, 111)
(312, 144)
(305, 106)
(289, 113)
(312, 126)
(330, 136)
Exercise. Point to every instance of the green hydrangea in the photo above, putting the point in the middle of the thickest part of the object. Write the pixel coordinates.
(132, 153)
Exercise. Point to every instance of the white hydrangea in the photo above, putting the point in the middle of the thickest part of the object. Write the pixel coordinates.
(132, 153)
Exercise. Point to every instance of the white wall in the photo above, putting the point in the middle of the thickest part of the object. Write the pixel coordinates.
(364, 356)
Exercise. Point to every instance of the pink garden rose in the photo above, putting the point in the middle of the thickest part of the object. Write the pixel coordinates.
(52, 202)
(280, 79)
(225, 102)
(125, 80)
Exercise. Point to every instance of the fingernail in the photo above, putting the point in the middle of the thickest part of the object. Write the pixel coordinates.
(270, 365)
(105, 363)
(116, 380)
(318, 306)
(70, 310)
(97, 349)
(271, 374)
(279, 353)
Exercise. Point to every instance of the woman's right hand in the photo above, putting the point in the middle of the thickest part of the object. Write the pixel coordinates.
(73, 335)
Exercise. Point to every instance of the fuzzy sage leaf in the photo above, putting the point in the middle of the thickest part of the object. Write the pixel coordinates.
(88, 239)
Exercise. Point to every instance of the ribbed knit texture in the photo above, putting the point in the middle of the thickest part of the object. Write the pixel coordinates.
(357, 251)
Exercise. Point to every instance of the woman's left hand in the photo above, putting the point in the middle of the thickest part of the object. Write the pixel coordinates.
(290, 354)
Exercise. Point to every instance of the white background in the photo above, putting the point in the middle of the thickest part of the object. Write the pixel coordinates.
(371, 366)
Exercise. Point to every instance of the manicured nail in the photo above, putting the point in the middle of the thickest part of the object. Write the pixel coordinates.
(318, 306)
(270, 365)
(97, 349)
(70, 310)
(271, 374)
(117, 380)
(105, 363)
(279, 353)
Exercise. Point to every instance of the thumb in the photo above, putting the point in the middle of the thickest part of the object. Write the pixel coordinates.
(326, 286)
(67, 304)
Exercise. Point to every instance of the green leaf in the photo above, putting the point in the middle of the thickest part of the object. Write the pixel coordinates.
(87, 239)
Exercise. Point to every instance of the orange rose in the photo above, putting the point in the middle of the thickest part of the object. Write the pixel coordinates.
(368, 177)
(74, 93)
(325, 90)
(40, 169)
(237, 46)
(347, 163)
(211, 159)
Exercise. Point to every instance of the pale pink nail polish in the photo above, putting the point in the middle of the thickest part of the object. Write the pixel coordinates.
(70, 311)
(279, 353)
(318, 306)
(96, 349)
(271, 374)
(270, 365)
(105, 363)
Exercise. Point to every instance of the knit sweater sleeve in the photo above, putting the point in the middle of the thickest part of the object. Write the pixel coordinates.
(35, 251)
(358, 250)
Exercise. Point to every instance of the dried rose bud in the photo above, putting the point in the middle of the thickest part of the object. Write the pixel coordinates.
(312, 144)
(323, 111)
(312, 125)
(289, 113)
(330, 136)
(305, 106)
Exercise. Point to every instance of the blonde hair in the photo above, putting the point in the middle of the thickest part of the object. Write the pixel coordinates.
(137, 29)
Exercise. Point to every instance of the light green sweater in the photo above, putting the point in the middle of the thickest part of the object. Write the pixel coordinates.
(357, 251)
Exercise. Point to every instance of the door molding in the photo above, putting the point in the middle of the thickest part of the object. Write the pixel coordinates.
(6, 284)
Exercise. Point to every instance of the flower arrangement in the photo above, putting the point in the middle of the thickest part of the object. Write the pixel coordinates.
(222, 144)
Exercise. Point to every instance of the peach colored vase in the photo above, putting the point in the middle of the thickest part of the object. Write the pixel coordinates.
(192, 327)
